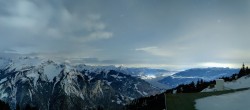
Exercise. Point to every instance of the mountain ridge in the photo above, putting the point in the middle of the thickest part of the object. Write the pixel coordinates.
(49, 85)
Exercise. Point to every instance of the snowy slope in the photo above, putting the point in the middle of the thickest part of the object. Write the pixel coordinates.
(233, 101)
(243, 82)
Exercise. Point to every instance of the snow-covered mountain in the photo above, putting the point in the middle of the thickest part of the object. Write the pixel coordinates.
(50, 85)
(195, 74)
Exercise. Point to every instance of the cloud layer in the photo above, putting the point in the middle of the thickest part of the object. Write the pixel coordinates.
(168, 33)
(29, 26)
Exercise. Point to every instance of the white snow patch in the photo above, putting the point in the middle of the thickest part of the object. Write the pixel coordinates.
(109, 83)
(148, 77)
(81, 95)
(3, 95)
(3, 80)
(117, 76)
(51, 71)
(57, 80)
(118, 101)
(145, 93)
(90, 78)
(30, 94)
(136, 86)
(33, 75)
(130, 98)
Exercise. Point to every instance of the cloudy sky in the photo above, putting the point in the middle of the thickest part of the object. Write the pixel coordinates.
(154, 33)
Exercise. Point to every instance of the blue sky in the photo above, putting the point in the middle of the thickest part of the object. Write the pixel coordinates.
(171, 34)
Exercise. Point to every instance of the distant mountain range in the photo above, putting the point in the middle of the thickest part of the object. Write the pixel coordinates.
(195, 74)
(150, 75)
(165, 79)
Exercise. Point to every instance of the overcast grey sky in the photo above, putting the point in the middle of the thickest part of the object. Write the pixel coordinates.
(155, 33)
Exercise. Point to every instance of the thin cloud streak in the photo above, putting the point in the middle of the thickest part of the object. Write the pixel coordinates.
(155, 51)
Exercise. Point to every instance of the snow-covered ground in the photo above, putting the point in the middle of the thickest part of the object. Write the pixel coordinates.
(233, 101)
